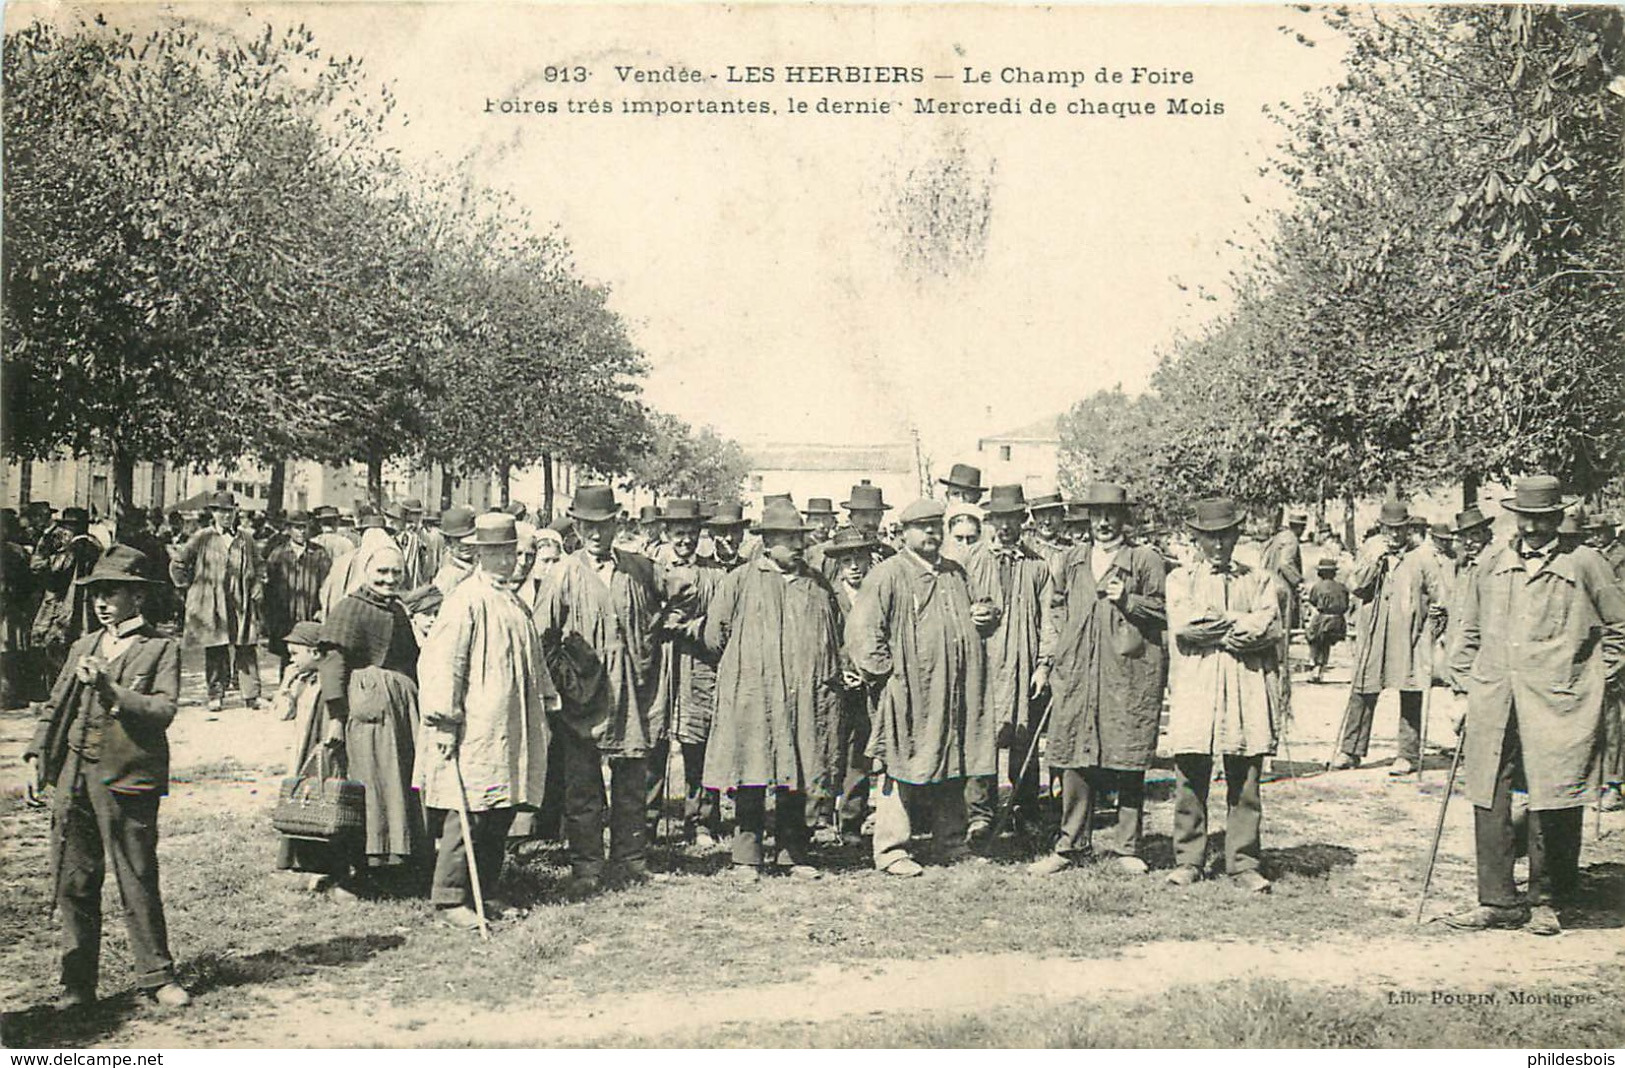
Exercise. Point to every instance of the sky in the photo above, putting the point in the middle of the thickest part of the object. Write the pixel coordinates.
(765, 264)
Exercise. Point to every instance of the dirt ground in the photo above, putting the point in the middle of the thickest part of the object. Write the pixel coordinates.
(693, 957)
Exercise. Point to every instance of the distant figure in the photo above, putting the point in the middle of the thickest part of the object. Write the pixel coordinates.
(1327, 624)
(219, 569)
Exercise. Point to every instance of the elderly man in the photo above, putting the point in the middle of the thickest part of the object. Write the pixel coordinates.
(916, 629)
(485, 699)
(1110, 660)
(1395, 587)
(599, 618)
(1542, 634)
(219, 569)
(688, 675)
(1015, 582)
(294, 574)
(964, 483)
(101, 739)
(773, 626)
(1225, 693)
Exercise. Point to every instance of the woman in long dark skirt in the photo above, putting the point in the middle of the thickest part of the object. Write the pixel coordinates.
(369, 688)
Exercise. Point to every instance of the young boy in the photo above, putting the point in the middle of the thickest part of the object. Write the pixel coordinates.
(300, 698)
(101, 739)
(1328, 611)
(852, 553)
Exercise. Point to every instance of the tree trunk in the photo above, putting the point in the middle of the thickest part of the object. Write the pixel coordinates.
(547, 489)
(375, 479)
(445, 488)
(279, 487)
(1469, 490)
(504, 477)
(1349, 533)
(25, 484)
(123, 484)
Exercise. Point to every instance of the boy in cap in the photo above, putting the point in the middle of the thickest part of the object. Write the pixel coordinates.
(916, 630)
(1225, 693)
(851, 553)
(101, 739)
(1328, 601)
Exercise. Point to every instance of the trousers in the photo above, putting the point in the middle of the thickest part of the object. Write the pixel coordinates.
(1362, 710)
(982, 791)
(701, 806)
(218, 661)
(94, 823)
(452, 885)
(1193, 776)
(584, 807)
(904, 804)
(790, 836)
(1553, 839)
(1080, 792)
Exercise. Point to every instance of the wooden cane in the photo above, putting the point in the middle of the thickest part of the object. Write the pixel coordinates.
(468, 848)
(1438, 830)
(1026, 765)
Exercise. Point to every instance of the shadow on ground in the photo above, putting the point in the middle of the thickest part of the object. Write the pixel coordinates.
(214, 971)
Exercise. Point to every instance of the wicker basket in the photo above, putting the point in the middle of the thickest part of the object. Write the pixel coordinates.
(318, 807)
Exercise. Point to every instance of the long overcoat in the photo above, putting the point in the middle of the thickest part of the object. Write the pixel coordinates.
(483, 667)
(688, 674)
(613, 627)
(64, 612)
(293, 589)
(1539, 646)
(223, 587)
(778, 681)
(1393, 646)
(1024, 635)
(911, 626)
(1111, 660)
(1222, 702)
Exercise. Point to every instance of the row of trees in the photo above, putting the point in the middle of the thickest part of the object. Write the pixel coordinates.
(1442, 300)
(210, 252)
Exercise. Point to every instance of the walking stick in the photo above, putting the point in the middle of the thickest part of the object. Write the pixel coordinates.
(1026, 765)
(1438, 830)
(468, 848)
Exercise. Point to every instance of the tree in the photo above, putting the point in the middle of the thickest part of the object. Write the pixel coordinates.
(684, 462)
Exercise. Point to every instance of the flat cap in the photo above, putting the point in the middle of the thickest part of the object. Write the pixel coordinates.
(921, 511)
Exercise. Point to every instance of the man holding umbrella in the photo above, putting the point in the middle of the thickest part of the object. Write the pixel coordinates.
(1542, 634)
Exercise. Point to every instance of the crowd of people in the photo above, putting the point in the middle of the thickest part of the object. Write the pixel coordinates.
(488, 680)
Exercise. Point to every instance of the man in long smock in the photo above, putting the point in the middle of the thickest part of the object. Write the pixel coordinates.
(599, 618)
(1283, 554)
(1110, 662)
(1015, 581)
(688, 674)
(915, 628)
(220, 570)
(1542, 634)
(772, 623)
(485, 697)
(1224, 694)
(1394, 586)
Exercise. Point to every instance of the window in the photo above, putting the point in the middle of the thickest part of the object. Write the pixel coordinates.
(1004, 453)
(756, 483)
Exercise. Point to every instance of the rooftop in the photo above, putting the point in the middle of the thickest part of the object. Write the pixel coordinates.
(1047, 429)
(882, 459)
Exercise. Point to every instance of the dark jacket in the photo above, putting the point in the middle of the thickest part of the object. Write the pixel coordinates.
(146, 679)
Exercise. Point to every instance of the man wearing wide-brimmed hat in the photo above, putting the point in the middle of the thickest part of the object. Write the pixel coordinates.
(1283, 554)
(220, 571)
(327, 536)
(1110, 661)
(917, 630)
(866, 509)
(1014, 580)
(1395, 587)
(294, 573)
(421, 546)
(1542, 634)
(65, 553)
(599, 617)
(101, 738)
(963, 483)
(1226, 696)
(688, 677)
(726, 527)
(851, 554)
(773, 626)
(485, 695)
(1049, 537)
(822, 519)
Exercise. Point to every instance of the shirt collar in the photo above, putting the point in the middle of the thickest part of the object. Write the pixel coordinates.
(130, 626)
